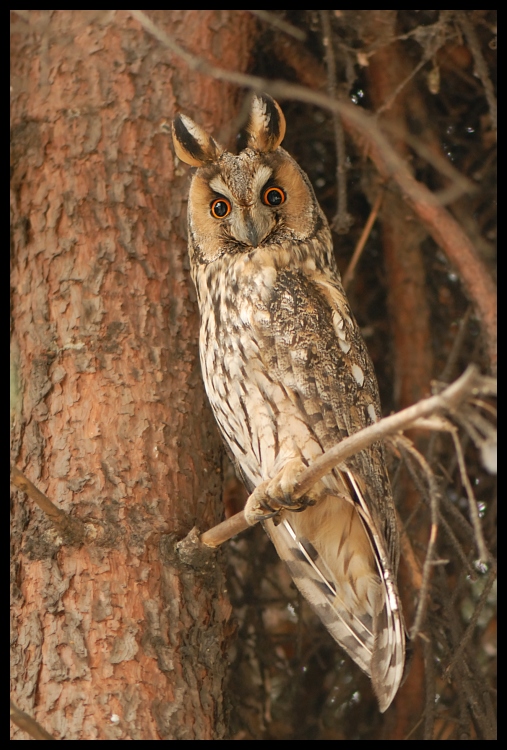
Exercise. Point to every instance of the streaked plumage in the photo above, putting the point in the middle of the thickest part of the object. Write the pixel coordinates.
(288, 376)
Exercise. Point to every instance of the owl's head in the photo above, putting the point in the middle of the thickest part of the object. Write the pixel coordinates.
(257, 198)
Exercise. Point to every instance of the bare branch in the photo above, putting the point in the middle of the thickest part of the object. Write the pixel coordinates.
(349, 273)
(429, 561)
(25, 485)
(430, 680)
(279, 23)
(61, 520)
(389, 102)
(448, 400)
(481, 67)
(342, 220)
(472, 502)
(25, 722)
(225, 530)
(455, 543)
(457, 345)
(364, 122)
(473, 622)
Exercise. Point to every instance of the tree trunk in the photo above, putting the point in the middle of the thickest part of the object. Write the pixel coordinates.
(117, 640)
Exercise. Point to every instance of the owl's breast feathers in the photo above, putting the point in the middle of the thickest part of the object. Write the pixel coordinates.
(279, 340)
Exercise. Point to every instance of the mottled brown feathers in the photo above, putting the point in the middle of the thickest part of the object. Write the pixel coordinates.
(288, 376)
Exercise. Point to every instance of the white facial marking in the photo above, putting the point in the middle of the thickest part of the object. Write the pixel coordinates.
(260, 178)
(219, 186)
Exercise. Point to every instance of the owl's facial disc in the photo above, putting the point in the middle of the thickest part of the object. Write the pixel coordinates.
(250, 200)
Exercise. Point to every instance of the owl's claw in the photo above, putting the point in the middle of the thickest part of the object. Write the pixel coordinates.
(274, 495)
(257, 508)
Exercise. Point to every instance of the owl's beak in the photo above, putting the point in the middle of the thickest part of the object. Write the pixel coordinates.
(255, 230)
(250, 229)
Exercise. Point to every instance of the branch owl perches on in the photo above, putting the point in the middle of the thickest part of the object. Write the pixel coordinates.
(288, 376)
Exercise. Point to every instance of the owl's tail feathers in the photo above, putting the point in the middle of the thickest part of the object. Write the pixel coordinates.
(363, 614)
(351, 627)
(388, 657)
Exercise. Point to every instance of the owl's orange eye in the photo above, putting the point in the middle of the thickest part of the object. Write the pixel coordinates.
(273, 196)
(220, 208)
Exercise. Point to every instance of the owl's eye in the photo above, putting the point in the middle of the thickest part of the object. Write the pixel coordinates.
(220, 208)
(273, 196)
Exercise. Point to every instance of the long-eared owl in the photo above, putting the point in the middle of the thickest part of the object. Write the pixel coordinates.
(288, 376)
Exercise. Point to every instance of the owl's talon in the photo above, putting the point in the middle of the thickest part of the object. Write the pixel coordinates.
(258, 512)
(277, 494)
(303, 503)
(257, 507)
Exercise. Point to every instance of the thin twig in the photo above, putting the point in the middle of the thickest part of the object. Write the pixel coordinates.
(448, 399)
(484, 405)
(457, 345)
(459, 522)
(456, 545)
(61, 520)
(429, 561)
(409, 556)
(225, 530)
(414, 728)
(473, 622)
(399, 88)
(342, 220)
(349, 273)
(459, 183)
(25, 722)
(279, 23)
(430, 680)
(472, 502)
(481, 67)
(437, 423)
(478, 427)
(25, 485)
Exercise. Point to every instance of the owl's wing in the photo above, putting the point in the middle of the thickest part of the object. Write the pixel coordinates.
(342, 552)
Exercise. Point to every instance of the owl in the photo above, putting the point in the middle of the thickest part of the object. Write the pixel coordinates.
(288, 376)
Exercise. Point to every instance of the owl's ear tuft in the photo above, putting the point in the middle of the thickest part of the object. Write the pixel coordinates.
(192, 144)
(266, 124)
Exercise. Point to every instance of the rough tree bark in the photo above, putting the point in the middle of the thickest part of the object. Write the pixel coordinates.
(116, 640)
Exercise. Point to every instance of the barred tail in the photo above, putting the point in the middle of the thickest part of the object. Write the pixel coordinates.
(338, 562)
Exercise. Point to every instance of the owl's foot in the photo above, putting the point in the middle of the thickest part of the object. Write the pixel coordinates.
(274, 495)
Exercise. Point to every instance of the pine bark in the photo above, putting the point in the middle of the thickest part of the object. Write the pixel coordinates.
(119, 639)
